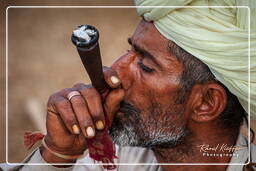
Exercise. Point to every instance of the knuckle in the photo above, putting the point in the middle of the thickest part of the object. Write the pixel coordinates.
(51, 100)
(62, 104)
(77, 101)
(81, 120)
(89, 92)
(70, 121)
(79, 85)
(52, 97)
(97, 114)
(64, 92)
(86, 121)
(50, 108)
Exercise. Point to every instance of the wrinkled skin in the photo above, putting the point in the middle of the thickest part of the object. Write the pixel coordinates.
(149, 117)
(147, 90)
(143, 106)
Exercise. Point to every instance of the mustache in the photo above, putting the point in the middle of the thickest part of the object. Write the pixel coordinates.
(128, 109)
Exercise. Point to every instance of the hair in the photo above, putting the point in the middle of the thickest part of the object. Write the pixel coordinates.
(196, 72)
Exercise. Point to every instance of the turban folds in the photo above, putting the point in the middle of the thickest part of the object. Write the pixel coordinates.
(219, 37)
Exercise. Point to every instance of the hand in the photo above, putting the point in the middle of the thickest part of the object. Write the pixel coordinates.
(70, 122)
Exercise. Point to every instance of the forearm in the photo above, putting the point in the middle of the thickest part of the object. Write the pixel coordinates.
(35, 161)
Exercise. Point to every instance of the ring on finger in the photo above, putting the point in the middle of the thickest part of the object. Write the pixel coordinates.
(72, 94)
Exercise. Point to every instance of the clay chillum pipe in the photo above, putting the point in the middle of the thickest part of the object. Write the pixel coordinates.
(85, 38)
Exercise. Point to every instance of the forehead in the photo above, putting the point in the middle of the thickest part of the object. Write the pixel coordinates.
(147, 35)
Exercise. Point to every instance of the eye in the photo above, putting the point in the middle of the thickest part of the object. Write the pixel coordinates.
(144, 68)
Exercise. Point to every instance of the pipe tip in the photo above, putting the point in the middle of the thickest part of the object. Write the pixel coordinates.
(85, 36)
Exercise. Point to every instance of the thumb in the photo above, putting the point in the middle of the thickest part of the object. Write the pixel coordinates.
(111, 77)
(112, 103)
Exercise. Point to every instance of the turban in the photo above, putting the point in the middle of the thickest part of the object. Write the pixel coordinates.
(219, 37)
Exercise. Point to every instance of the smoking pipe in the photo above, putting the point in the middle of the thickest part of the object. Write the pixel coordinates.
(85, 38)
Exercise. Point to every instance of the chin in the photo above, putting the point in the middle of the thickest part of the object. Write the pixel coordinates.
(126, 134)
(122, 135)
(131, 127)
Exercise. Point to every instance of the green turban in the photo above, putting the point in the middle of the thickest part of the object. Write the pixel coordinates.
(217, 36)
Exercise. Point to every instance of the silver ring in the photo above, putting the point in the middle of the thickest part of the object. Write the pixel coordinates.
(72, 94)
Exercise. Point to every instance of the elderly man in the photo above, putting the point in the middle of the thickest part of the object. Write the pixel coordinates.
(179, 95)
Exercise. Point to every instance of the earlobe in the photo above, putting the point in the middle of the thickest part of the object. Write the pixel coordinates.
(208, 101)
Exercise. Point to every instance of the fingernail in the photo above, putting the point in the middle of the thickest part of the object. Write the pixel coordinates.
(114, 79)
(76, 129)
(90, 132)
(99, 125)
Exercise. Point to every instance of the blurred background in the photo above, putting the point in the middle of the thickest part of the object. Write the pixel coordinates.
(42, 59)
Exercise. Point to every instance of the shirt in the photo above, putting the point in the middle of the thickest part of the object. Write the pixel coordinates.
(135, 155)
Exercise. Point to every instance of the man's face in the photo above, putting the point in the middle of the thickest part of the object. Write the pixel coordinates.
(150, 76)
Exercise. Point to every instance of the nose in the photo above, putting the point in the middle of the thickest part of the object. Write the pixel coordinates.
(123, 68)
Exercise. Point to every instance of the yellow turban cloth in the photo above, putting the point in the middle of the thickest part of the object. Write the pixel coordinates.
(216, 36)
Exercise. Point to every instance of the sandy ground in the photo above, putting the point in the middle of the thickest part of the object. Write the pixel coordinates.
(42, 59)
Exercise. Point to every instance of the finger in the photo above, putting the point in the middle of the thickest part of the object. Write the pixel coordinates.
(97, 115)
(111, 77)
(83, 116)
(93, 100)
(79, 86)
(112, 103)
(64, 109)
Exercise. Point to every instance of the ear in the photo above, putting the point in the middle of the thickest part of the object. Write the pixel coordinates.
(207, 101)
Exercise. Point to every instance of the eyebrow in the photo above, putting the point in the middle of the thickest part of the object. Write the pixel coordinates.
(143, 52)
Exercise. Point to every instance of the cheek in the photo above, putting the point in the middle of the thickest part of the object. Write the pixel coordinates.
(144, 91)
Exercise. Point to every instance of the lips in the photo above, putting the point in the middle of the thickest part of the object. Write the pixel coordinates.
(124, 110)
(119, 114)
(128, 108)
(126, 113)
(121, 111)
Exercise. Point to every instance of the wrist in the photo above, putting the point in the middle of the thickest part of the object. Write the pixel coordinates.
(49, 157)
